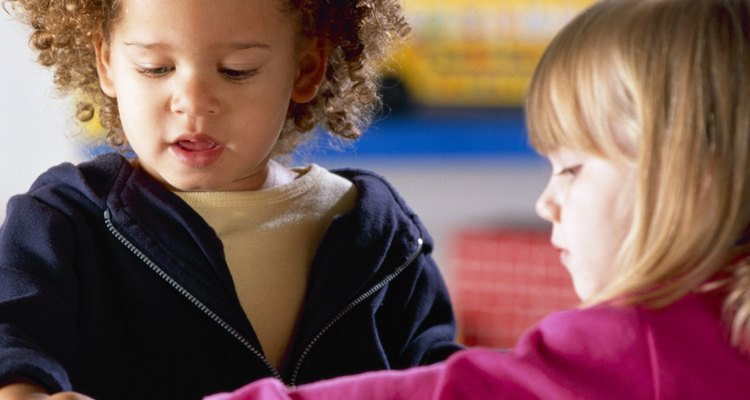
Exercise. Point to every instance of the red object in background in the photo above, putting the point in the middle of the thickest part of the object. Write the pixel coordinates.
(504, 282)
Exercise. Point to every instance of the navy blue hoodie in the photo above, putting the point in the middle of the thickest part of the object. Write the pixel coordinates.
(112, 286)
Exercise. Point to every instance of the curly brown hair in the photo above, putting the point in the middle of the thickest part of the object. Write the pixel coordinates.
(360, 35)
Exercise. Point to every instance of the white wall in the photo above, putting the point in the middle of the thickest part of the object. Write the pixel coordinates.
(34, 125)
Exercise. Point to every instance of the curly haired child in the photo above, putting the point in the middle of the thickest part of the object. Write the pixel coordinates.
(643, 109)
(201, 262)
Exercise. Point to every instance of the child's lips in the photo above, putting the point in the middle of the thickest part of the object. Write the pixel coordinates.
(199, 142)
(563, 253)
(196, 145)
(197, 150)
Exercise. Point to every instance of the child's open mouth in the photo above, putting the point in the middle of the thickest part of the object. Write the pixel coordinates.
(197, 151)
(197, 145)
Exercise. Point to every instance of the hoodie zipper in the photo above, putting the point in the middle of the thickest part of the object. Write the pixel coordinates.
(231, 330)
(354, 303)
(189, 296)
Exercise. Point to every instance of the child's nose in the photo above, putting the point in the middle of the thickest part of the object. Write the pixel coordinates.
(546, 206)
(194, 96)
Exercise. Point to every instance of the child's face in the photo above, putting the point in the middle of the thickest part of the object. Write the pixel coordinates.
(587, 199)
(203, 86)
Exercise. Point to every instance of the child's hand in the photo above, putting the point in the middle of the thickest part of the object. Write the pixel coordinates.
(30, 391)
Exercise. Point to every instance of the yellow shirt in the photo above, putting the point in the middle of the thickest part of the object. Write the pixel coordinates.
(270, 237)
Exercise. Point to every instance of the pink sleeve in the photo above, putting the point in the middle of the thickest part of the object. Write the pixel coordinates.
(416, 383)
(578, 354)
(268, 388)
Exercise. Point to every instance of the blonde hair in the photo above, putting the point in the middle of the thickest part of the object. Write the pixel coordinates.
(360, 33)
(662, 84)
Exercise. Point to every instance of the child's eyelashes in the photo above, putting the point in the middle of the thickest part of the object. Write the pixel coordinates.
(570, 171)
(235, 75)
(154, 71)
(232, 75)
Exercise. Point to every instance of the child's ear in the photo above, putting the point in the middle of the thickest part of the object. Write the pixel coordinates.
(312, 69)
(103, 67)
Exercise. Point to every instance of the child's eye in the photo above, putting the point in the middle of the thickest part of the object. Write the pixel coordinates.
(154, 71)
(570, 171)
(238, 75)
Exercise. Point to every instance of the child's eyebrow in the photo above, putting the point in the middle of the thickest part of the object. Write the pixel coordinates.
(232, 46)
(147, 46)
(248, 45)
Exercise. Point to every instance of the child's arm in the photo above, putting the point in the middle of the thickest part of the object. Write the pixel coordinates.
(419, 383)
(421, 316)
(570, 355)
(37, 316)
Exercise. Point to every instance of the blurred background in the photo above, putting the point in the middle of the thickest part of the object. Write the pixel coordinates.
(451, 139)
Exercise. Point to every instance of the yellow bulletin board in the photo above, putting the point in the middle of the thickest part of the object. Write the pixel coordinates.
(476, 52)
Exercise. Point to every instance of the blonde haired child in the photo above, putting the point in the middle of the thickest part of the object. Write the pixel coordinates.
(643, 108)
(202, 263)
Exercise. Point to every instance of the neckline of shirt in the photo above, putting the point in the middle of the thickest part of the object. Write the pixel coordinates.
(308, 177)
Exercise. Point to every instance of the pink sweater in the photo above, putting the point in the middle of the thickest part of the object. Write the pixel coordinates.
(603, 352)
